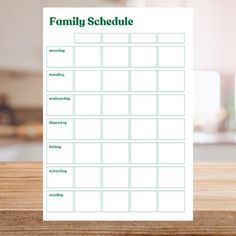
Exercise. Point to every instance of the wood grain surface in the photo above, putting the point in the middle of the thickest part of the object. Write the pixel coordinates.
(214, 206)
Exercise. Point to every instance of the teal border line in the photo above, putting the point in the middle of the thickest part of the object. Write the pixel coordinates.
(87, 163)
(101, 120)
(172, 163)
(155, 106)
(108, 191)
(115, 163)
(101, 201)
(173, 192)
(171, 115)
(170, 91)
(146, 91)
(174, 67)
(93, 191)
(145, 167)
(60, 167)
(144, 42)
(116, 167)
(76, 81)
(66, 79)
(147, 191)
(61, 95)
(89, 66)
(129, 141)
(171, 138)
(63, 191)
(88, 167)
(104, 119)
(99, 97)
(144, 163)
(156, 121)
(156, 63)
(60, 143)
(59, 47)
(128, 56)
(86, 139)
(113, 95)
(170, 187)
(128, 40)
(116, 91)
(70, 119)
(177, 43)
(98, 42)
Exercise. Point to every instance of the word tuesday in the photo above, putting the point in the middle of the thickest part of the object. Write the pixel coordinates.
(91, 21)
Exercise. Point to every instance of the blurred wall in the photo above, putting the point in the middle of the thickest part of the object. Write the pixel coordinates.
(215, 35)
(23, 91)
(21, 47)
(21, 40)
(214, 32)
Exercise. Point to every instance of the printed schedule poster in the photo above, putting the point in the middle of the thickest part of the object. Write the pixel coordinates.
(117, 114)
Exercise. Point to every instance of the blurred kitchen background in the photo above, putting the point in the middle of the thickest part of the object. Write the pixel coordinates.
(21, 74)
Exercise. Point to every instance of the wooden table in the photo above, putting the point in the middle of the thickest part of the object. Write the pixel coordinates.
(21, 206)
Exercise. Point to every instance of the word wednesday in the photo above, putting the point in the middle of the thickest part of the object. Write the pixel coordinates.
(76, 21)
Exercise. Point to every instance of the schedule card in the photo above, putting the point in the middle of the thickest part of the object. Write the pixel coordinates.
(117, 114)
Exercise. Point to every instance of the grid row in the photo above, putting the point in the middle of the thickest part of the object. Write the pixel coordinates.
(115, 153)
(116, 177)
(116, 129)
(122, 56)
(116, 105)
(121, 38)
(116, 81)
(115, 201)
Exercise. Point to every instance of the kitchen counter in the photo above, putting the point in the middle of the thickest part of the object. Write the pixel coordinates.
(21, 205)
(20, 150)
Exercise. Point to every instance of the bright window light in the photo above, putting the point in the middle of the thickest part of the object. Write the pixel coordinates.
(206, 97)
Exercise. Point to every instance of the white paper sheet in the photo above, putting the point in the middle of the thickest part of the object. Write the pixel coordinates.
(117, 113)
